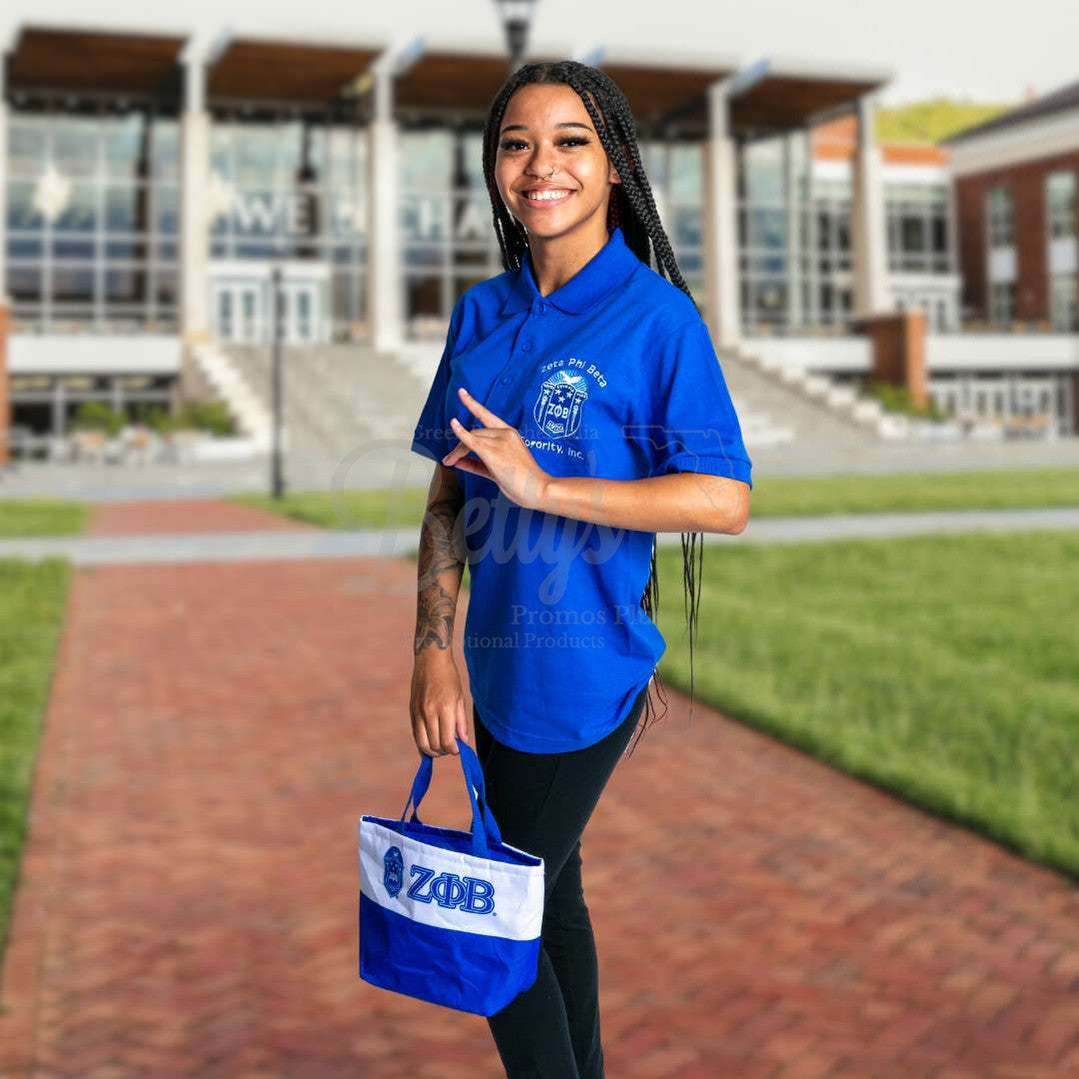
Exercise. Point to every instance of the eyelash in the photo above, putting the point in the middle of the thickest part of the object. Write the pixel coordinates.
(580, 140)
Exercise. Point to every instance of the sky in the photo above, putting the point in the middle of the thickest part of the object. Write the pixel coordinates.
(955, 48)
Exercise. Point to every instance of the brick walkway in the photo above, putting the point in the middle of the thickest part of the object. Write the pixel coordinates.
(136, 518)
(189, 891)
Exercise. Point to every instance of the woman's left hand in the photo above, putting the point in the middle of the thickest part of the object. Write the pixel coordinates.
(503, 456)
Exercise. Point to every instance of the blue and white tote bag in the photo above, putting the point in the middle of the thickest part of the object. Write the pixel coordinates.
(447, 916)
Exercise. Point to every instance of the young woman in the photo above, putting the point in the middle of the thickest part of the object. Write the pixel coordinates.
(578, 408)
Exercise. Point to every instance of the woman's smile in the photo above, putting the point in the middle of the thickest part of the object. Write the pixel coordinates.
(546, 197)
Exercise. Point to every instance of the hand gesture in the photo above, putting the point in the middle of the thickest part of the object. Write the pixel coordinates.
(503, 456)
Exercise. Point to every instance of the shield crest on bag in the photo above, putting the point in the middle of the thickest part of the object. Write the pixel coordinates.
(393, 870)
(559, 404)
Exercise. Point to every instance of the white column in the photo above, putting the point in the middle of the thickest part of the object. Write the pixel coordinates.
(721, 222)
(793, 189)
(194, 202)
(384, 284)
(868, 235)
(812, 238)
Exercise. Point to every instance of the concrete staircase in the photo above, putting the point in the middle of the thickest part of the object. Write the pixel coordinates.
(249, 409)
(349, 410)
(776, 410)
(811, 409)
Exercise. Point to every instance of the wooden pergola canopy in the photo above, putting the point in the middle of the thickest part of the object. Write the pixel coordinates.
(259, 70)
(87, 61)
(774, 96)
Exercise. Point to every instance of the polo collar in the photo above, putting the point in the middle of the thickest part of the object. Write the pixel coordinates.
(605, 271)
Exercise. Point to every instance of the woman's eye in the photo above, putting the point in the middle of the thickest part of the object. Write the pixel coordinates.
(569, 140)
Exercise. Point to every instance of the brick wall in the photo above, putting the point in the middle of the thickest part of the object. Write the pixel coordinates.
(1027, 184)
(897, 341)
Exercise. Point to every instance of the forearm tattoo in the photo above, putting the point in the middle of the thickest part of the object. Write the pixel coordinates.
(436, 607)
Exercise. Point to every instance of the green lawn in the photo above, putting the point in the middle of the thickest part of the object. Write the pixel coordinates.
(944, 668)
(355, 509)
(778, 496)
(28, 517)
(33, 596)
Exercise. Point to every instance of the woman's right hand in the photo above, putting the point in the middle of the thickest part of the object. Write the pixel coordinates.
(437, 705)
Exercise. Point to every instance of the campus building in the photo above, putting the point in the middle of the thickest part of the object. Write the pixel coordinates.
(153, 183)
(1016, 195)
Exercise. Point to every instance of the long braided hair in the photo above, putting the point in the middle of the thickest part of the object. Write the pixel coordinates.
(631, 207)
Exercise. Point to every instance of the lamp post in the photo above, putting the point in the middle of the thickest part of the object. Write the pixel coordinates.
(516, 18)
(277, 479)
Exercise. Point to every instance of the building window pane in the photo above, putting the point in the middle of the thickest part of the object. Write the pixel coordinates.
(1063, 302)
(1060, 204)
(80, 241)
(999, 205)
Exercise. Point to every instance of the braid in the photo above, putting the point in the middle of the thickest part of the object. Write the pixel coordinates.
(632, 208)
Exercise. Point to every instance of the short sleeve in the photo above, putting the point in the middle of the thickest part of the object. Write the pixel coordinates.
(692, 425)
(433, 437)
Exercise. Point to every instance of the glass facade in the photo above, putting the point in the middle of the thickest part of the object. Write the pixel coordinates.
(447, 239)
(288, 191)
(794, 239)
(93, 222)
(675, 170)
(94, 219)
(919, 228)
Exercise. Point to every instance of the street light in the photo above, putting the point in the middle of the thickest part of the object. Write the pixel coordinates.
(277, 479)
(516, 18)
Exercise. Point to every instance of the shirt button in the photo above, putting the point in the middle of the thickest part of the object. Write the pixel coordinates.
(526, 346)
(505, 379)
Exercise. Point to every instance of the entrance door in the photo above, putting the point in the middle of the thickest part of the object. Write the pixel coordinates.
(238, 311)
(301, 311)
(241, 295)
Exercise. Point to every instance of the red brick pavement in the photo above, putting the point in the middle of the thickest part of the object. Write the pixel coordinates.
(188, 901)
(170, 516)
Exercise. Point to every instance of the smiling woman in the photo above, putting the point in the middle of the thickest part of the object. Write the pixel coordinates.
(578, 407)
(555, 178)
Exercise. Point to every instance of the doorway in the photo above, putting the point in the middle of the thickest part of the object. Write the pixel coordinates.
(240, 302)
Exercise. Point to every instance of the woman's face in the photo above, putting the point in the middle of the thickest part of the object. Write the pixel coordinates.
(547, 143)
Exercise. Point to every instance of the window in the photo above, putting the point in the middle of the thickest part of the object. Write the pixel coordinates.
(1001, 301)
(93, 220)
(1060, 205)
(1063, 292)
(1060, 249)
(918, 228)
(999, 216)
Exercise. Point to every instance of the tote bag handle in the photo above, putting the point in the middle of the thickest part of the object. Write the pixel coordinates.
(485, 832)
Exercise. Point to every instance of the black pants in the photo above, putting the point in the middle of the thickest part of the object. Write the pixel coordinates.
(542, 802)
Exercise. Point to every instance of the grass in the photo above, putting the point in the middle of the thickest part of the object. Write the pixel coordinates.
(33, 596)
(28, 517)
(353, 509)
(773, 496)
(941, 668)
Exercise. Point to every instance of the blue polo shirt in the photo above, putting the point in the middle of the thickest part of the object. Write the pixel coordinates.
(612, 375)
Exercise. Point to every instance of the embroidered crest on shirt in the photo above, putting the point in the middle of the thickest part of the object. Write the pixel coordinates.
(559, 404)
